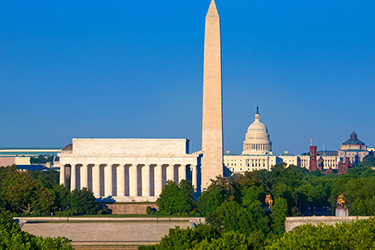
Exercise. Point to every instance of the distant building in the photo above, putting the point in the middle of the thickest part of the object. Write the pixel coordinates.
(290, 159)
(16, 160)
(29, 152)
(257, 150)
(343, 167)
(353, 149)
(257, 154)
(351, 152)
(22, 157)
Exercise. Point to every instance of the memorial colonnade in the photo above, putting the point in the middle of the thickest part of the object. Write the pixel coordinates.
(128, 182)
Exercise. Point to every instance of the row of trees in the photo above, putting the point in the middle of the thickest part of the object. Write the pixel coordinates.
(237, 205)
(301, 190)
(41, 159)
(38, 193)
(353, 235)
(234, 206)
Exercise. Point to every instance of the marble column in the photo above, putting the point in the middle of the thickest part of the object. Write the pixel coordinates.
(158, 180)
(194, 176)
(62, 175)
(108, 180)
(84, 176)
(181, 173)
(73, 177)
(133, 179)
(170, 172)
(146, 180)
(96, 180)
(121, 180)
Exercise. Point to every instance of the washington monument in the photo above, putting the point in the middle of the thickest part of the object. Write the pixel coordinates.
(212, 127)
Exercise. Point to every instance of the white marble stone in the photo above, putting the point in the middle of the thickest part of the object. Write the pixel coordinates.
(125, 175)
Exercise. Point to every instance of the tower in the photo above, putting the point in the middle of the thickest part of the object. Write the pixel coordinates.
(212, 121)
(313, 159)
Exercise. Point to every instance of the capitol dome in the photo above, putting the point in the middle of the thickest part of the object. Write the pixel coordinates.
(257, 140)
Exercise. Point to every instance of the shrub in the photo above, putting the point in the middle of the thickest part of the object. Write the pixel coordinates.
(150, 210)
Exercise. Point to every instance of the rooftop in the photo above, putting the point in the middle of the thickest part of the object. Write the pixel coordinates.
(353, 140)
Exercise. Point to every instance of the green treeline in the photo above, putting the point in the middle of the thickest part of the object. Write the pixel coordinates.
(39, 193)
(12, 237)
(235, 207)
(354, 235)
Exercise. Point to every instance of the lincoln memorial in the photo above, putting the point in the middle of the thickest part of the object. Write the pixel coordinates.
(127, 170)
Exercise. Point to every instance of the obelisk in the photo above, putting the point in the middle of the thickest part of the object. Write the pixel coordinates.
(212, 127)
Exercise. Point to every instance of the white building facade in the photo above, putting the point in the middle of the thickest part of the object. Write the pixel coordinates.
(353, 149)
(127, 170)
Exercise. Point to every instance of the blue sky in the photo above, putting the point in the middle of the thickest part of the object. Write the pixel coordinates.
(134, 69)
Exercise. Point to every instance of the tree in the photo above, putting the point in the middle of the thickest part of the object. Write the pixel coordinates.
(176, 199)
(180, 239)
(12, 237)
(25, 194)
(288, 193)
(45, 201)
(368, 161)
(62, 200)
(229, 240)
(168, 198)
(246, 181)
(256, 209)
(219, 191)
(185, 201)
(353, 235)
(5, 172)
(47, 179)
(82, 202)
(227, 173)
(41, 159)
(278, 215)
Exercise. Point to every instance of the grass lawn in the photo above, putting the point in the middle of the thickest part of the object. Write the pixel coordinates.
(118, 216)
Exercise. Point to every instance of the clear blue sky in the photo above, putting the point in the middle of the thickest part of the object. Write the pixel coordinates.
(134, 69)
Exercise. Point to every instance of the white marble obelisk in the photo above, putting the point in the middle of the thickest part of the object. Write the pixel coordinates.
(212, 127)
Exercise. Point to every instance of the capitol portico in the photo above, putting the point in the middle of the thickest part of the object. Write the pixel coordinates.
(127, 170)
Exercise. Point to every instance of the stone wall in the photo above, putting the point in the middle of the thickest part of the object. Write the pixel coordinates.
(293, 222)
(129, 208)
